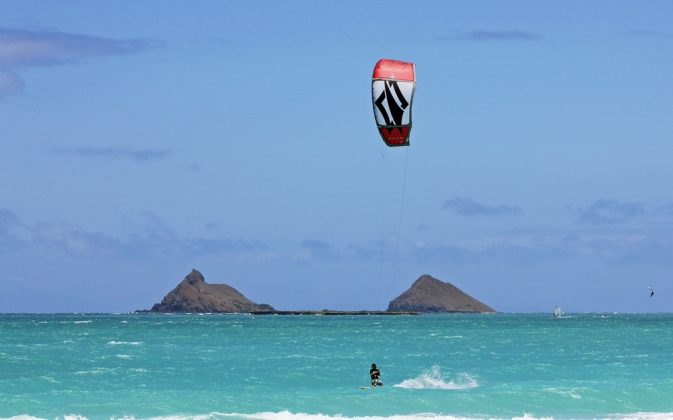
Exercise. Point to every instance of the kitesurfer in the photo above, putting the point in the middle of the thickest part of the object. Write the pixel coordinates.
(374, 373)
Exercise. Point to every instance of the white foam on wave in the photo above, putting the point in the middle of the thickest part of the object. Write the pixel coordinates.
(643, 416)
(568, 392)
(527, 416)
(433, 379)
(95, 371)
(121, 343)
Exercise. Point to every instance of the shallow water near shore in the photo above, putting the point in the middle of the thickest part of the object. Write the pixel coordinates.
(272, 367)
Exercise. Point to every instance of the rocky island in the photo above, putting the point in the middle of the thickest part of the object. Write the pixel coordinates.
(193, 294)
(428, 294)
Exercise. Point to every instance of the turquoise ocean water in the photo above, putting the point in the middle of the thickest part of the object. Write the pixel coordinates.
(277, 367)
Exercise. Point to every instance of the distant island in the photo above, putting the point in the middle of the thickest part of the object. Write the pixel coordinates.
(193, 294)
(426, 294)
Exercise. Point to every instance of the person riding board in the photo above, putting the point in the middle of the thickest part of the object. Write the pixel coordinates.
(374, 373)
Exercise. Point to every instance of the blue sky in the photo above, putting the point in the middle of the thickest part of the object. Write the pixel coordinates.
(143, 139)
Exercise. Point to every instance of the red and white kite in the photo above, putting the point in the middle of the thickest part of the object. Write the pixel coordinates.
(393, 84)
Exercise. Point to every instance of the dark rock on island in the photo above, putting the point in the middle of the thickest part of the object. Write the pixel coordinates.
(428, 294)
(193, 294)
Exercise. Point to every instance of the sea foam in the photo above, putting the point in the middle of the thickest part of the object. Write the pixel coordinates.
(433, 379)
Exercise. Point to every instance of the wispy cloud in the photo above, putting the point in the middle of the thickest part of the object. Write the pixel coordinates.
(319, 249)
(481, 35)
(526, 247)
(464, 206)
(73, 239)
(30, 48)
(7, 220)
(604, 211)
(13, 232)
(153, 238)
(316, 245)
(646, 33)
(42, 48)
(110, 153)
(10, 83)
(665, 210)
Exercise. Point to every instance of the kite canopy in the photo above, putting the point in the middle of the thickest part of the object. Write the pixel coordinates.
(393, 84)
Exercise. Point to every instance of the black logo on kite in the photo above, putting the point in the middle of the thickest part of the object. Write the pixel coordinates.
(396, 103)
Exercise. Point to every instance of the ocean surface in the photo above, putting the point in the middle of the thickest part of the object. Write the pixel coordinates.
(216, 366)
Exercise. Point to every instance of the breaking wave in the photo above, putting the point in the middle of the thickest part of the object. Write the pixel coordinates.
(433, 379)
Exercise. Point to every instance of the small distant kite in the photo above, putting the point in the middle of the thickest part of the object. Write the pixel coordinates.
(393, 84)
(651, 291)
